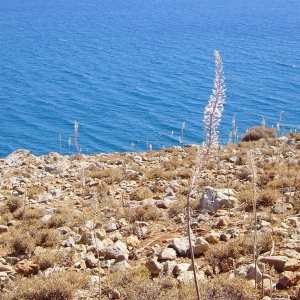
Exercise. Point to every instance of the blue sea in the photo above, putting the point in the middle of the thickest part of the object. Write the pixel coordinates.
(132, 72)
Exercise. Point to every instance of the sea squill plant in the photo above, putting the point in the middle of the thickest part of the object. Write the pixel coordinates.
(253, 170)
(212, 117)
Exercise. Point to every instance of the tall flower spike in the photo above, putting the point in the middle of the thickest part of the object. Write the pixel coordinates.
(214, 108)
(212, 118)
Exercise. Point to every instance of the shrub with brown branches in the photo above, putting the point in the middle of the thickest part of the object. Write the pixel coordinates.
(258, 132)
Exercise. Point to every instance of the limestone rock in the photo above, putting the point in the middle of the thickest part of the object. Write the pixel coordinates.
(3, 228)
(188, 277)
(213, 237)
(117, 249)
(288, 278)
(277, 261)
(292, 265)
(248, 271)
(119, 265)
(213, 199)
(181, 245)
(201, 246)
(110, 227)
(91, 260)
(4, 268)
(27, 268)
(167, 254)
(132, 241)
(154, 266)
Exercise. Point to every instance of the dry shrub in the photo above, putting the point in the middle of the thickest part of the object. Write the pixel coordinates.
(109, 176)
(33, 192)
(268, 197)
(21, 242)
(174, 163)
(154, 173)
(241, 160)
(141, 193)
(29, 213)
(47, 237)
(142, 213)
(236, 248)
(177, 207)
(295, 136)
(45, 259)
(152, 213)
(223, 288)
(65, 217)
(137, 284)
(265, 198)
(14, 203)
(184, 173)
(258, 132)
(57, 286)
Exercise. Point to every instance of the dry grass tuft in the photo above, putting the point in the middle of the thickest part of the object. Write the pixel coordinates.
(136, 283)
(58, 286)
(236, 248)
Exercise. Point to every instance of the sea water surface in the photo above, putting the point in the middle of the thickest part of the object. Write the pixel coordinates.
(132, 72)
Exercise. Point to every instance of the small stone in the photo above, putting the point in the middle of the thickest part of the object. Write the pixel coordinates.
(110, 227)
(11, 260)
(201, 246)
(292, 265)
(132, 241)
(91, 260)
(222, 221)
(3, 228)
(167, 254)
(154, 266)
(4, 268)
(213, 237)
(46, 218)
(115, 294)
(90, 225)
(101, 233)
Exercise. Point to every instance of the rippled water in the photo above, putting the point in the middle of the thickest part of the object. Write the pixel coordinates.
(133, 71)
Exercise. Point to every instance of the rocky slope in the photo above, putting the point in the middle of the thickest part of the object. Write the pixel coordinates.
(68, 222)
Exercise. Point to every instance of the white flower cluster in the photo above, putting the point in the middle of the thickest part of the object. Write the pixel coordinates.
(213, 110)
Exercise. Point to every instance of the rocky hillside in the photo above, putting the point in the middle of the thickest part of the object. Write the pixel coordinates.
(113, 226)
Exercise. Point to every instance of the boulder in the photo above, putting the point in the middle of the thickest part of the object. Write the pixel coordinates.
(117, 249)
(277, 261)
(213, 199)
